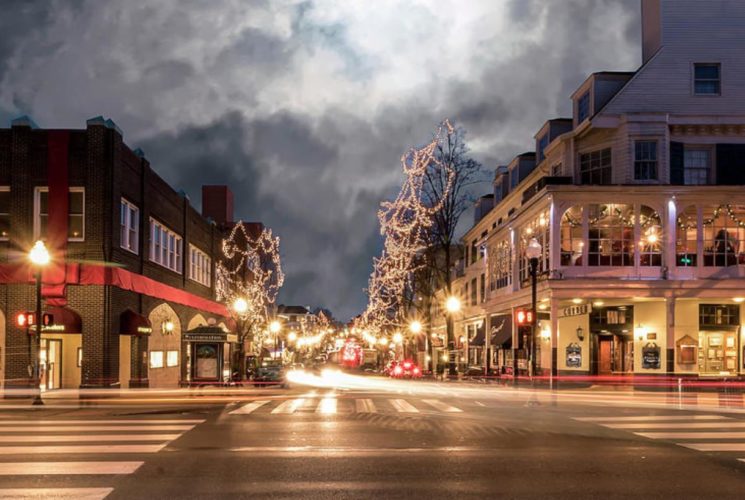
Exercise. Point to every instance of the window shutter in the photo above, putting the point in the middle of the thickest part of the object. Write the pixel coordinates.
(731, 164)
(676, 163)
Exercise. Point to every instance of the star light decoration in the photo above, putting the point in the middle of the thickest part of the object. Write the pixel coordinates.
(405, 224)
(251, 269)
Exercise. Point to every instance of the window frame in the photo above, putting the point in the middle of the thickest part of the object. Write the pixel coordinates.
(5, 189)
(206, 267)
(696, 80)
(586, 98)
(600, 169)
(170, 247)
(648, 165)
(129, 205)
(37, 212)
(689, 148)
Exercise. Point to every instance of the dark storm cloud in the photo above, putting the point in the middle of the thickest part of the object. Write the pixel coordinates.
(305, 107)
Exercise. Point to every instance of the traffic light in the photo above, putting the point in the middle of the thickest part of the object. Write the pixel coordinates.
(524, 317)
(47, 319)
(25, 319)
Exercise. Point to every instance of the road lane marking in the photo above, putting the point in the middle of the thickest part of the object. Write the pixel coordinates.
(312, 451)
(403, 406)
(57, 493)
(692, 435)
(58, 428)
(96, 448)
(327, 406)
(289, 406)
(248, 408)
(364, 406)
(714, 446)
(439, 405)
(67, 468)
(651, 418)
(678, 425)
(96, 422)
(61, 438)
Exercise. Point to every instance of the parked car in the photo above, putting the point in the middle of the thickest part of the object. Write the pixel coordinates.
(270, 373)
(405, 369)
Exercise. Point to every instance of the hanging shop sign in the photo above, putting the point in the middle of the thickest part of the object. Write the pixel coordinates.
(651, 356)
(577, 310)
(574, 355)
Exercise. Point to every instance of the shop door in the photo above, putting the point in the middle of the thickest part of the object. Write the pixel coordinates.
(605, 357)
(206, 361)
(51, 364)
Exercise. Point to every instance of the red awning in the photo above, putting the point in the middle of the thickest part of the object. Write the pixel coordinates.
(131, 323)
(64, 320)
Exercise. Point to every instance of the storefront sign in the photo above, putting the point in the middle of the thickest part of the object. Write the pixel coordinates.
(574, 355)
(577, 310)
(200, 337)
(233, 338)
(651, 356)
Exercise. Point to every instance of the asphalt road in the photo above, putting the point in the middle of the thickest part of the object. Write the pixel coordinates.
(374, 440)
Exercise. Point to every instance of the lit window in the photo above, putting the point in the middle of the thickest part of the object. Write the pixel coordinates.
(583, 107)
(650, 246)
(707, 79)
(4, 212)
(572, 241)
(696, 166)
(645, 160)
(156, 359)
(171, 358)
(538, 229)
(724, 235)
(75, 211)
(611, 235)
(200, 266)
(687, 236)
(165, 246)
(129, 226)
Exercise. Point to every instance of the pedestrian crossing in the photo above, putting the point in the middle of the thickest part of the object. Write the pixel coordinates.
(330, 404)
(704, 433)
(49, 452)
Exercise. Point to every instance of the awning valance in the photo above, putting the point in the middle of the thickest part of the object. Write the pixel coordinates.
(64, 320)
(132, 323)
(477, 335)
(500, 329)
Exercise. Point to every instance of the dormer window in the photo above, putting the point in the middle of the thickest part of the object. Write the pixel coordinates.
(707, 79)
(583, 107)
(542, 145)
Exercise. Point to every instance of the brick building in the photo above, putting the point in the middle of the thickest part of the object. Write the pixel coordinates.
(131, 285)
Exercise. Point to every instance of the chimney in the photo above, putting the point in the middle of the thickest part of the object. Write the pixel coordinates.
(651, 28)
(217, 204)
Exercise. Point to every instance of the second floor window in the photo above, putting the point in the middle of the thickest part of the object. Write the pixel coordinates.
(595, 167)
(200, 266)
(165, 246)
(707, 79)
(645, 160)
(4, 212)
(696, 166)
(129, 236)
(75, 213)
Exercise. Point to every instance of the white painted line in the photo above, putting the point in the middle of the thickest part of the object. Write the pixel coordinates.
(403, 406)
(714, 446)
(248, 408)
(103, 449)
(679, 425)
(327, 406)
(480, 403)
(67, 468)
(56, 493)
(364, 406)
(71, 438)
(692, 435)
(289, 406)
(97, 422)
(440, 406)
(63, 428)
(651, 418)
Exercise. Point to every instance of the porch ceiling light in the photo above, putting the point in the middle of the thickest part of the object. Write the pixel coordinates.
(739, 300)
(577, 301)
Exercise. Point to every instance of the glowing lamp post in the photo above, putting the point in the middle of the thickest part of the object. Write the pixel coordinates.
(39, 257)
(533, 253)
(452, 306)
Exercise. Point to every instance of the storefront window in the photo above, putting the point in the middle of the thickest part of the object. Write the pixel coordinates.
(538, 229)
(724, 235)
(611, 235)
(571, 237)
(686, 236)
(650, 246)
(156, 359)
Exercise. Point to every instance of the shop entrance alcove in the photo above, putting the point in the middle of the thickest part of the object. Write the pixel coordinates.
(208, 353)
(612, 340)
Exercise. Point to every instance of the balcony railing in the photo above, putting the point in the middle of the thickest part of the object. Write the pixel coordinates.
(541, 183)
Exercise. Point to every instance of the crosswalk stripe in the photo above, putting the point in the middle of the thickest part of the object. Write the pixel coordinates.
(480, 403)
(678, 425)
(103, 449)
(364, 406)
(67, 468)
(439, 405)
(248, 408)
(97, 422)
(67, 428)
(57, 493)
(289, 406)
(692, 435)
(714, 446)
(651, 418)
(327, 406)
(71, 438)
(403, 406)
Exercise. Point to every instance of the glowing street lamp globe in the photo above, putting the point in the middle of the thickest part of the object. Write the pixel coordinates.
(274, 327)
(415, 327)
(452, 304)
(39, 255)
(398, 338)
(292, 336)
(534, 249)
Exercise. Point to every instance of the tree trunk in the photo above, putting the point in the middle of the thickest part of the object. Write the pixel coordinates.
(452, 371)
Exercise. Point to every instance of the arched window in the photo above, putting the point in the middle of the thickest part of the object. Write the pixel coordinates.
(611, 235)
(724, 235)
(686, 252)
(500, 265)
(571, 237)
(650, 245)
(538, 229)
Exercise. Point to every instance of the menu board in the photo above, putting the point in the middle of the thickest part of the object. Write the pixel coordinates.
(574, 355)
(651, 356)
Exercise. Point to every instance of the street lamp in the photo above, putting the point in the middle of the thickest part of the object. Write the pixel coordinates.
(533, 252)
(275, 327)
(452, 306)
(415, 327)
(39, 257)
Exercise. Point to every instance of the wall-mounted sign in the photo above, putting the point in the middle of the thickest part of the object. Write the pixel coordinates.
(574, 355)
(577, 310)
(652, 336)
(651, 356)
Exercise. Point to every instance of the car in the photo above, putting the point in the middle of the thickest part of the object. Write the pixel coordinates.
(405, 369)
(270, 373)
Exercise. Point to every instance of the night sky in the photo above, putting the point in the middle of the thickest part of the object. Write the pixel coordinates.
(305, 107)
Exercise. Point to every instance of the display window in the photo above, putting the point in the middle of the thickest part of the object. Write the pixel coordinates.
(717, 353)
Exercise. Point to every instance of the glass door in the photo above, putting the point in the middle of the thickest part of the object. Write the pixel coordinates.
(51, 364)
